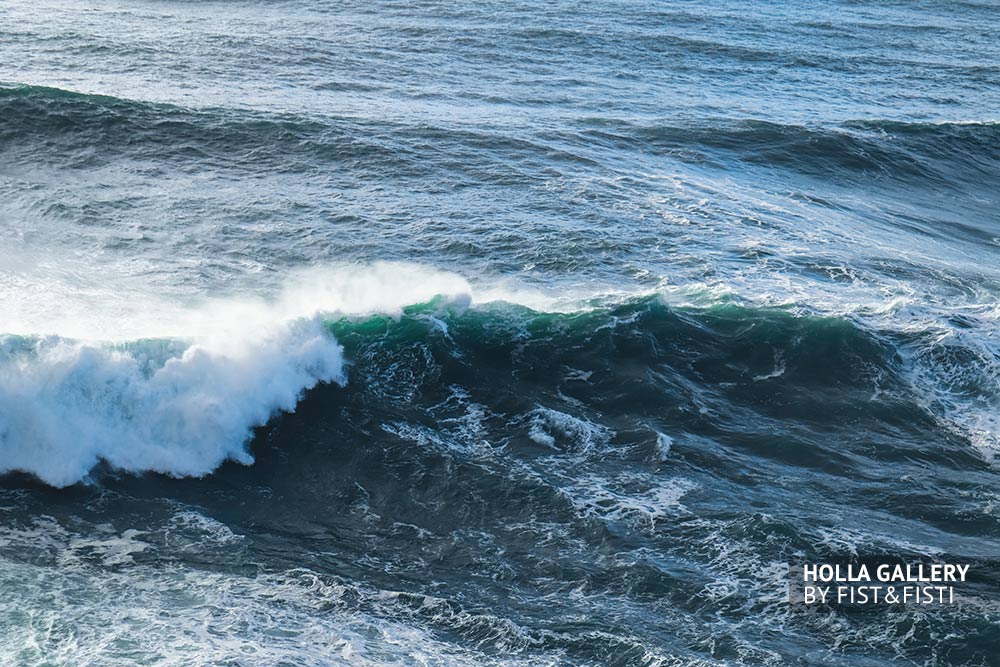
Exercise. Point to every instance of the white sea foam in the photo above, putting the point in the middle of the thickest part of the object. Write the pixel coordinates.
(187, 401)
(65, 405)
(638, 499)
(663, 445)
(555, 429)
(92, 600)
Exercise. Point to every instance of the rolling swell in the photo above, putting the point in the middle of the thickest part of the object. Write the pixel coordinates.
(94, 130)
(946, 154)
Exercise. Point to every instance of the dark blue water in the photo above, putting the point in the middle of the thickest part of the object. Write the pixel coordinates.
(424, 333)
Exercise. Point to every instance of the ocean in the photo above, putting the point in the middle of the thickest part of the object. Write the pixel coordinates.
(523, 333)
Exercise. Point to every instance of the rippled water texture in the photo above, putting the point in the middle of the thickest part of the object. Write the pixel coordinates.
(419, 333)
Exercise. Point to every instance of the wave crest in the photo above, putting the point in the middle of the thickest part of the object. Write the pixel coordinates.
(68, 405)
(184, 394)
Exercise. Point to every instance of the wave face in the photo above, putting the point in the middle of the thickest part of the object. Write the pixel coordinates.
(382, 333)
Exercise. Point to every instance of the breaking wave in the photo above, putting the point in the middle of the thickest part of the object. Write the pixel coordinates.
(403, 338)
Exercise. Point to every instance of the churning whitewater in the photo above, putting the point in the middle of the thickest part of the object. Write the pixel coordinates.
(181, 404)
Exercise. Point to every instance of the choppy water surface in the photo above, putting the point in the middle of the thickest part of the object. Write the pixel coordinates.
(493, 334)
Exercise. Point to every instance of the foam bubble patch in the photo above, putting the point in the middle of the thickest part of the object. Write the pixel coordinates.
(66, 405)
